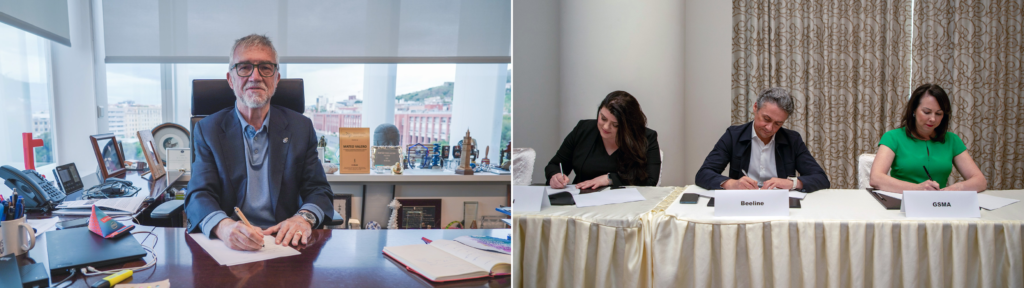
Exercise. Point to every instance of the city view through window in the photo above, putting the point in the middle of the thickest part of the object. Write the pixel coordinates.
(334, 99)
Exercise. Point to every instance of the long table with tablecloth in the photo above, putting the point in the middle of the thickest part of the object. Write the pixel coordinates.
(839, 238)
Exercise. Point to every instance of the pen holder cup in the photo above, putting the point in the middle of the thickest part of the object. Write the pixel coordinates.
(16, 237)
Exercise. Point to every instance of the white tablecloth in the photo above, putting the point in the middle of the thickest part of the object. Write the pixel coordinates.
(600, 246)
(840, 238)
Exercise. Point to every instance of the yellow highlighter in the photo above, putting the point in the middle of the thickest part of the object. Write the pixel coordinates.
(112, 280)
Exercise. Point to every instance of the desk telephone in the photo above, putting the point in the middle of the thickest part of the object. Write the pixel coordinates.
(38, 192)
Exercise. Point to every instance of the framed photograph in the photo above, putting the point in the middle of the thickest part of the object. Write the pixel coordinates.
(419, 214)
(108, 155)
(156, 165)
(343, 205)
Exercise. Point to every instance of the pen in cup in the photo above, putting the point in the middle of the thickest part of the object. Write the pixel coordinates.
(244, 221)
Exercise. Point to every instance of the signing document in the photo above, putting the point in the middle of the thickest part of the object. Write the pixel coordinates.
(230, 257)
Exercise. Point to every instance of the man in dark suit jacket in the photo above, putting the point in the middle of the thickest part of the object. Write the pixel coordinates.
(762, 154)
(257, 157)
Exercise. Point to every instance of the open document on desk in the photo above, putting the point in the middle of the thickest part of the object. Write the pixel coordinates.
(230, 257)
(111, 206)
(447, 260)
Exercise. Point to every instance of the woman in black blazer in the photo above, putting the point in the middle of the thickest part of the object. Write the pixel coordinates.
(616, 149)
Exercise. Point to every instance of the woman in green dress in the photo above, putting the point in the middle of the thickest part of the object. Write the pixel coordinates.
(922, 153)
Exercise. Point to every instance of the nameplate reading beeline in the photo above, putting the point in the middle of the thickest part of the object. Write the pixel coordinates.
(771, 202)
(941, 204)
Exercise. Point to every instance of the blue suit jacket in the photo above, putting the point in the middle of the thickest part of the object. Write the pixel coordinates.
(219, 174)
(733, 149)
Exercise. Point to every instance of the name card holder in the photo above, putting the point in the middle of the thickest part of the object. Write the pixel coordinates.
(941, 204)
(751, 203)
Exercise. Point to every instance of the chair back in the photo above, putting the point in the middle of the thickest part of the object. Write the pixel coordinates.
(212, 95)
(522, 166)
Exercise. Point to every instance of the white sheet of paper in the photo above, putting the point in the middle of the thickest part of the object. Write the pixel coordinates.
(990, 202)
(797, 195)
(529, 199)
(43, 225)
(571, 188)
(608, 197)
(230, 257)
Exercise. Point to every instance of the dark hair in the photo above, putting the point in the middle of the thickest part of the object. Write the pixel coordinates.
(631, 137)
(910, 122)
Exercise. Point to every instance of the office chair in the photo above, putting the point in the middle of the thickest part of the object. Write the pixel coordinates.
(212, 95)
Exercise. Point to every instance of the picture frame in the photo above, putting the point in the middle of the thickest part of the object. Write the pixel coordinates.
(156, 165)
(342, 204)
(386, 155)
(419, 214)
(108, 155)
(170, 135)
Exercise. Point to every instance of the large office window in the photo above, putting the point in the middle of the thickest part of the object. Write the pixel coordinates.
(25, 94)
(133, 104)
(421, 100)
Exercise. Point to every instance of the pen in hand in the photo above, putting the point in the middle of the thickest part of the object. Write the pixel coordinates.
(926, 173)
(245, 221)
(748, 176)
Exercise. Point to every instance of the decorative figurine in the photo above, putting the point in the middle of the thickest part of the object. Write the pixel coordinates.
(393, 222)
(486, 161)
(464, 168)
(397, 169)
(435, 161)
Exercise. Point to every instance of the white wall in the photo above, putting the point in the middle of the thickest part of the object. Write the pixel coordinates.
(674, 56)
(708, 81)
(535, 79)
(74, 95)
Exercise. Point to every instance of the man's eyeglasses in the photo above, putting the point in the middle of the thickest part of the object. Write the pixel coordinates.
(267, 69)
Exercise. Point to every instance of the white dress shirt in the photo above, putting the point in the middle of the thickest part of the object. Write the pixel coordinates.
(762, 159)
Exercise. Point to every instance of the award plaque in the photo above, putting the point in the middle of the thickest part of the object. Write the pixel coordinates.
(417, 155)
(419, 214)
(354, 155)
(386, 156)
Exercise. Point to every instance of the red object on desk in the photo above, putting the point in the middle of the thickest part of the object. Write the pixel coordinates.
(28, 143)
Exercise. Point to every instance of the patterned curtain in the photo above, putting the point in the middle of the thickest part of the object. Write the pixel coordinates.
(846, 64)
(973, 49)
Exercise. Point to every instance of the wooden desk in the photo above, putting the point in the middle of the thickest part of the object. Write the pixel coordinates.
(334, 258)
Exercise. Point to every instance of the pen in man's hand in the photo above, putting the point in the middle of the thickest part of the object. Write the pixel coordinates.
(245, 221)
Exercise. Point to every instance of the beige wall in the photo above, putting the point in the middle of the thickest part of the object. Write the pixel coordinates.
(673, 56)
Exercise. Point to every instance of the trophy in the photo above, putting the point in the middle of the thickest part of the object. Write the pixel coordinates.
(464, 168)
(445, 151)
(435, 161)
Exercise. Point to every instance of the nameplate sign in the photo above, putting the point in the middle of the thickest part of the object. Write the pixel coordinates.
(774, 202)
(941, 204)
(529, 199)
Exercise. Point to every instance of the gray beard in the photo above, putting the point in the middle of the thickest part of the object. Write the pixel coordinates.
(251, 104)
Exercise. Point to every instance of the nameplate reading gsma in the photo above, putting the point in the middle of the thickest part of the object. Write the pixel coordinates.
(772, 202)
(941, 204)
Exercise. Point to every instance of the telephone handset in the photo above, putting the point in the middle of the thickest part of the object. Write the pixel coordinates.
(38, 192)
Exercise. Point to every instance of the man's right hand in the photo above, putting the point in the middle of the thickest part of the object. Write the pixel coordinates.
(238, 236)
(745, 183)
(558, 181)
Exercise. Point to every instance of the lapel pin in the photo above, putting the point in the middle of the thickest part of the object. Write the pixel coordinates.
(285, 139)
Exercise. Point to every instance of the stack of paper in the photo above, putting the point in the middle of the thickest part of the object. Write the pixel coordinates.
(230, 257)
(111, 206)
(989, 202)
(571, 188)
(608, 197)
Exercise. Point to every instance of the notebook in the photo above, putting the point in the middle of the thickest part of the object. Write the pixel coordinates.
(79, 247)
(447, 260)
